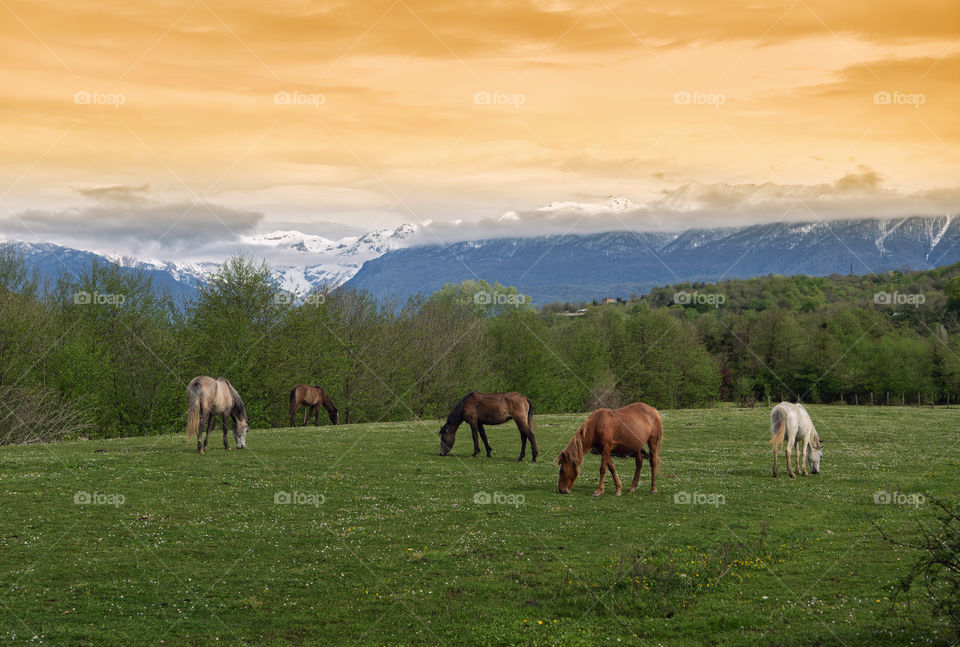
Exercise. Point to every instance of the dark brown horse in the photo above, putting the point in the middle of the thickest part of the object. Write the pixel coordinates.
(314, 397)
(479, 409)
(614, 432)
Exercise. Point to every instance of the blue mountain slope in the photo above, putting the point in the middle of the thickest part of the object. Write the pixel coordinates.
(576, 268)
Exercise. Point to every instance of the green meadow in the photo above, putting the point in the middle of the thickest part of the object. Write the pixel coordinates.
(363, 535)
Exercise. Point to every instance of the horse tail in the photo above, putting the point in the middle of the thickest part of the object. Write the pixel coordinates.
(658, 433)
(530, 414)
(193, 413)
(293, 405)
(778, 427)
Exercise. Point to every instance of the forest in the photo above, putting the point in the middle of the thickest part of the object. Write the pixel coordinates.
(103, 354)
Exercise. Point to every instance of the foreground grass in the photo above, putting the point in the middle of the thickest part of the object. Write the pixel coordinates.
(384, 544)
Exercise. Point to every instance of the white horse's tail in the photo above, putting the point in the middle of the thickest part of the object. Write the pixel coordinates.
(778, 426)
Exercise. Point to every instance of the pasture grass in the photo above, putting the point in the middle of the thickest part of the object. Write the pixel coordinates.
(383, 542)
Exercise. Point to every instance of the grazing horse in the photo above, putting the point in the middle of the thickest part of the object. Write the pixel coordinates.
(792, 422)
(210, 397)
(314, 397)
(614, 432)
(479, 409)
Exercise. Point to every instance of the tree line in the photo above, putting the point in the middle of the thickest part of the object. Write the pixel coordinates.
(102, 353)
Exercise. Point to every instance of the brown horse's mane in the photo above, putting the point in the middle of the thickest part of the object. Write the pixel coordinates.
(574, 449)
(456, 415)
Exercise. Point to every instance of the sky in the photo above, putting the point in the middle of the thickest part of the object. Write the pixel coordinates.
(179, 121)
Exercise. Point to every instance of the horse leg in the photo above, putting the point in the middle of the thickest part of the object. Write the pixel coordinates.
(225, 426)
(203, 420)
(206, 435)
(526, 433)
(776, 450)
(483, 437)
(616, 479)
(803, 458)
(789, 461)
(476, 441)
(306, 417)
(636, 474)
(316, 416)
(654, 463)
(603, 472)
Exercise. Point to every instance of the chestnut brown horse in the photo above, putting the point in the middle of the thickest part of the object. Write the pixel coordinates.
(313, 397)
(479, 409)
(614, 432)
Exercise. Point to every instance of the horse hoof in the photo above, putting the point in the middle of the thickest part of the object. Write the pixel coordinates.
(653, 491)
(793, 476)
(533, 460)
(631, 490)
(617, 493)
(597, 494)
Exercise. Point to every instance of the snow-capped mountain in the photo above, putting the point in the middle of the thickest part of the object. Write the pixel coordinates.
(620, 263)
(310, 260)
(397, 263)
(300, 261)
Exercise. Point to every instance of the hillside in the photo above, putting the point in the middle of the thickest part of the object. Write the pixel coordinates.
(363, 535)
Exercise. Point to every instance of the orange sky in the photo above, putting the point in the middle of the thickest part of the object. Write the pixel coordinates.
(127, 104)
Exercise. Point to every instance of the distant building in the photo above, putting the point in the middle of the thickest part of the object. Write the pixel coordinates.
(607, 300)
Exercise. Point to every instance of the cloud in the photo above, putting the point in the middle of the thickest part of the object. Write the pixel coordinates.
(176, 230)
(116, 194)
(693, 205)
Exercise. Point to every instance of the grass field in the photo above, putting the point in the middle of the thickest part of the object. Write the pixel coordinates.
(383, 543)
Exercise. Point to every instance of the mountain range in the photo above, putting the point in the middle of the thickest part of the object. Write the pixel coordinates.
(395, 263)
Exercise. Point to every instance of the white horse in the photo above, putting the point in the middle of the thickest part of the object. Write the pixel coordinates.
(792, 422)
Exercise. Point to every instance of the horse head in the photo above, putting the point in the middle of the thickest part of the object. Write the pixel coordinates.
(447, 438)
(569, 461)
(816, 453)
(242, 426)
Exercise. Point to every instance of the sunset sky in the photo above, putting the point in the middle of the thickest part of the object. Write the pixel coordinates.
(224, 118)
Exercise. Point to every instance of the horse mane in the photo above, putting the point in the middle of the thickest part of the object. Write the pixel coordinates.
(238, 409)
(456, 415)
(574, 449)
